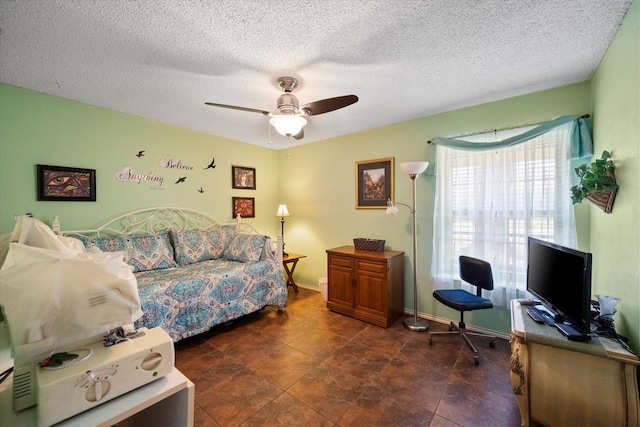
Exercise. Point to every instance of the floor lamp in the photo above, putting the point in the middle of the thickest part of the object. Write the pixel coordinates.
(413, 169)
(282, 212)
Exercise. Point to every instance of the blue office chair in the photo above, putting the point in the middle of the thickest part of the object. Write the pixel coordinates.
(477, 273)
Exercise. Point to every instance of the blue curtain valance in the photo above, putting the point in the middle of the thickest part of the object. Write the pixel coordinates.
(581, 142)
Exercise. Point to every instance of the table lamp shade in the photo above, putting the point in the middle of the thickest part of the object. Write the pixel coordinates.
(283, 211)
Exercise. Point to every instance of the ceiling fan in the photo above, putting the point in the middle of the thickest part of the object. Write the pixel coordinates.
(291, 120)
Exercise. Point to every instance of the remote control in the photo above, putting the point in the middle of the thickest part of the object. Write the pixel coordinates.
(528, 302)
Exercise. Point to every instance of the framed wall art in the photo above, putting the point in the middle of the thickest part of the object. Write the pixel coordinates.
(374, 183)
(62, 183)
(243, 177)
(244, 206)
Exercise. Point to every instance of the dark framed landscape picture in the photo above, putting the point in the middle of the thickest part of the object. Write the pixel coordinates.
(243, 177)
(244, 206)
(67, 184)
(374, 183)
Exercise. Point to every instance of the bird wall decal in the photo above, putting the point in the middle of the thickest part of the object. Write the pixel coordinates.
(140, 153)
(212, 164)
(181, 180)
(200, 190)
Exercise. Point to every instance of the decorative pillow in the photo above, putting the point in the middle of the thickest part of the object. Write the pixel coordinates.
(195, 246)
(84, 239)
(109, 244)
(142, 251)
(245, 247)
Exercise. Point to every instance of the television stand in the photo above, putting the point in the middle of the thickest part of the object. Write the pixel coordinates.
(561, 382)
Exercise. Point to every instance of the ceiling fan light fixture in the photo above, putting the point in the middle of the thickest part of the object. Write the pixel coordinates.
(291, 118)
(288, 125)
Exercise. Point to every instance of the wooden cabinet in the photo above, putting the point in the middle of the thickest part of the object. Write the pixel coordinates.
(558, 382)
(366, 285)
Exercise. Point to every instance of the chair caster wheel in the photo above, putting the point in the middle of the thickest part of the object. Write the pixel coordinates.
(477, 360)
(430, 340)
(492, 344)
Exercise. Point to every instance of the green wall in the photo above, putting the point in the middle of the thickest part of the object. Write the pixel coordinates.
(615, 238)
(42, 129)
(317, 180)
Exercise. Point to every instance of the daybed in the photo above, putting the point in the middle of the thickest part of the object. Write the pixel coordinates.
(193, 272)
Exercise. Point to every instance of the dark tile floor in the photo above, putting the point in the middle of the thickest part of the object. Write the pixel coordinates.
(308, 366)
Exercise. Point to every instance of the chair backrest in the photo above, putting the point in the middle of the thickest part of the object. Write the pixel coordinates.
(476, 272)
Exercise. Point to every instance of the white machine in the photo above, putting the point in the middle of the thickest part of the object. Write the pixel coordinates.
(101, 374)
(59, 300)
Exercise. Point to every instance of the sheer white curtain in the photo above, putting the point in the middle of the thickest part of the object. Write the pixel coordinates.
(488, 202)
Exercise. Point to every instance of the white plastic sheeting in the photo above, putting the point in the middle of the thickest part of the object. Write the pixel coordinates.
(53, 293)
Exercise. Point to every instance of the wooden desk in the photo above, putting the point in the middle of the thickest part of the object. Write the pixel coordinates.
(558, 382)
(293, 260)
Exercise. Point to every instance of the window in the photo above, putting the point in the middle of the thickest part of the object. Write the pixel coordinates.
(488, 202)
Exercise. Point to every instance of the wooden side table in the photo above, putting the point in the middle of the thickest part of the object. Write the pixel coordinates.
(291, 259)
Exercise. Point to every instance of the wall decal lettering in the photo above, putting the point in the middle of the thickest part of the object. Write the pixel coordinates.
(173, 164)
(126, 174)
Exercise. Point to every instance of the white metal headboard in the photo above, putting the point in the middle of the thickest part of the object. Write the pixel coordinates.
(154, 220)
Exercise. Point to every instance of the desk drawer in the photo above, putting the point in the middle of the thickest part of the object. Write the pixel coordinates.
(372, 266)
(340, 261)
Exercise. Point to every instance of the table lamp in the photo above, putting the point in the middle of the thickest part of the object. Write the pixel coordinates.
(282, 212)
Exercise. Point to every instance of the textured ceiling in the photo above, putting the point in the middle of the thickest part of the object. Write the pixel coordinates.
(405, 59)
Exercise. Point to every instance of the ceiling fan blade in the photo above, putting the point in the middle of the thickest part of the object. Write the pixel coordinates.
(329, 104)
(233, 107)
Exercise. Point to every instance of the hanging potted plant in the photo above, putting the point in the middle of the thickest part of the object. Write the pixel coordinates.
(597, 183)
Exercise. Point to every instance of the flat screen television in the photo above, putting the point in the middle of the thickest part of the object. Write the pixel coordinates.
(560, 278)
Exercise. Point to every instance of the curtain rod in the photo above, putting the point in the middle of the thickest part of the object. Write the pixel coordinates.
(585, 116)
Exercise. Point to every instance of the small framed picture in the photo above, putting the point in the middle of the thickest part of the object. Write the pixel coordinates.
(65, 184)
(243, 177)
(244, 206)
(374, 183)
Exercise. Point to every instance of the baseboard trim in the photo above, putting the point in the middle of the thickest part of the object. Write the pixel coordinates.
(429, 317)
(446, 321)
(310, 287)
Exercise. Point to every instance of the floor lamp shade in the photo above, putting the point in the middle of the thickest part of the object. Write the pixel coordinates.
(414, 168)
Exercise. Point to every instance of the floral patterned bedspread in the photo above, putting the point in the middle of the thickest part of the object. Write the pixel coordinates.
(188, 300)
